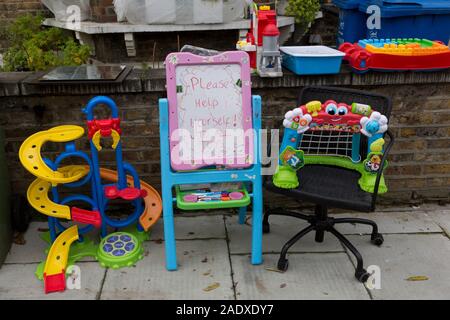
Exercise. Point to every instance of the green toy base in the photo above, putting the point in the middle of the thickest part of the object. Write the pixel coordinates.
(118, 250)
(285, 177)
(88, 248)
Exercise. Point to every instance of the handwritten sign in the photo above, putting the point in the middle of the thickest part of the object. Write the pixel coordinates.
(210, 117)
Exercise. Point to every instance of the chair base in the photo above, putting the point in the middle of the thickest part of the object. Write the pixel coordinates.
(320, 222)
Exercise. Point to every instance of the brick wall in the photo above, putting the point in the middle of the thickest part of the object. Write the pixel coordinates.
(111, 47)
(419, 163)
(103, 11)
(326, 27)
(11, 9)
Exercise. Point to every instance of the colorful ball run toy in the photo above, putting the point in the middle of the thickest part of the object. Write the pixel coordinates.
(330, 134)
(396, 54)
(68, 245)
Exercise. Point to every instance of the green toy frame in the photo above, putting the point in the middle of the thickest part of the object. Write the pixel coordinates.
(286, 177)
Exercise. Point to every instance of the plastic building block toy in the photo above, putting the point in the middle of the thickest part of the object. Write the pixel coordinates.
(67, 245)
(331, 135)
(396, 54)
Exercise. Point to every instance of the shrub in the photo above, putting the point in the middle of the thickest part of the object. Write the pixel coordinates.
(304, 11)
(33, 47)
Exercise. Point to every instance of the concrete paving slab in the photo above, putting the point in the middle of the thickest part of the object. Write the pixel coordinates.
(204, 273)
(403, 256)
(442, 218)
(310, 276)
(189, 228)
(19, 282)
(281, 230)
(390, 222)
(33, 251)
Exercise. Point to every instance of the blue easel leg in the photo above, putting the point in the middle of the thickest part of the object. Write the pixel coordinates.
(169, 231)
(257, 219)
(242, 214)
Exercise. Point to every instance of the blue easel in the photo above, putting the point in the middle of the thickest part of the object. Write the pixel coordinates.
(170, 179)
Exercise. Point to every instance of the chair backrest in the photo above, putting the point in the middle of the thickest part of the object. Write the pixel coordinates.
(339, 143)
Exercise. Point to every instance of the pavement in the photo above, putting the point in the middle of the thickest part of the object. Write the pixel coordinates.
(214, 262)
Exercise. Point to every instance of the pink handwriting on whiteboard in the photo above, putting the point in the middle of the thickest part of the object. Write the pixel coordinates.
(197, 82)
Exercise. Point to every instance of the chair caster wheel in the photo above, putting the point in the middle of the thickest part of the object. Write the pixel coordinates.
(377, 239)
(283, 264)
(362, 275)
(266, 228)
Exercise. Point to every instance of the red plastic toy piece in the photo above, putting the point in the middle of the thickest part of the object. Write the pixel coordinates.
(111, 192)
(265, 17)
(55, 283)
(104, 126)
(88, 217)
(129, 194)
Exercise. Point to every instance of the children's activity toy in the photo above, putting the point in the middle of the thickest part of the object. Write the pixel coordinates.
(396, 54)
(209, 130)
(69, 244)
(330, 133)
(262, 42)
(306, 60)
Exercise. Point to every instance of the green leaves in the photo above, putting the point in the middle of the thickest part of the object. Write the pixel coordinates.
(34, 47)
(304, 11)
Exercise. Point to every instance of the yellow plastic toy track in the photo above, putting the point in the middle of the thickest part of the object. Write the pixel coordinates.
(38, 194)
(30, 153)
(58, 255)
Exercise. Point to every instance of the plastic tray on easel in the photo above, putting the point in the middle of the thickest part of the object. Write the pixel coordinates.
(181, 197)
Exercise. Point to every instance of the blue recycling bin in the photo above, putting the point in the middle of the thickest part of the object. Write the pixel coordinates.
(428, 19)
(352, 21)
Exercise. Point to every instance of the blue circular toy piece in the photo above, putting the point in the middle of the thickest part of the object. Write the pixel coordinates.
(125, 238)
(108, 248)
(119, 245)
(130, 246)
(112, 239)
(118, 253)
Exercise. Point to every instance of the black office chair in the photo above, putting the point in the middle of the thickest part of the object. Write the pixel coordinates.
(331, 186)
